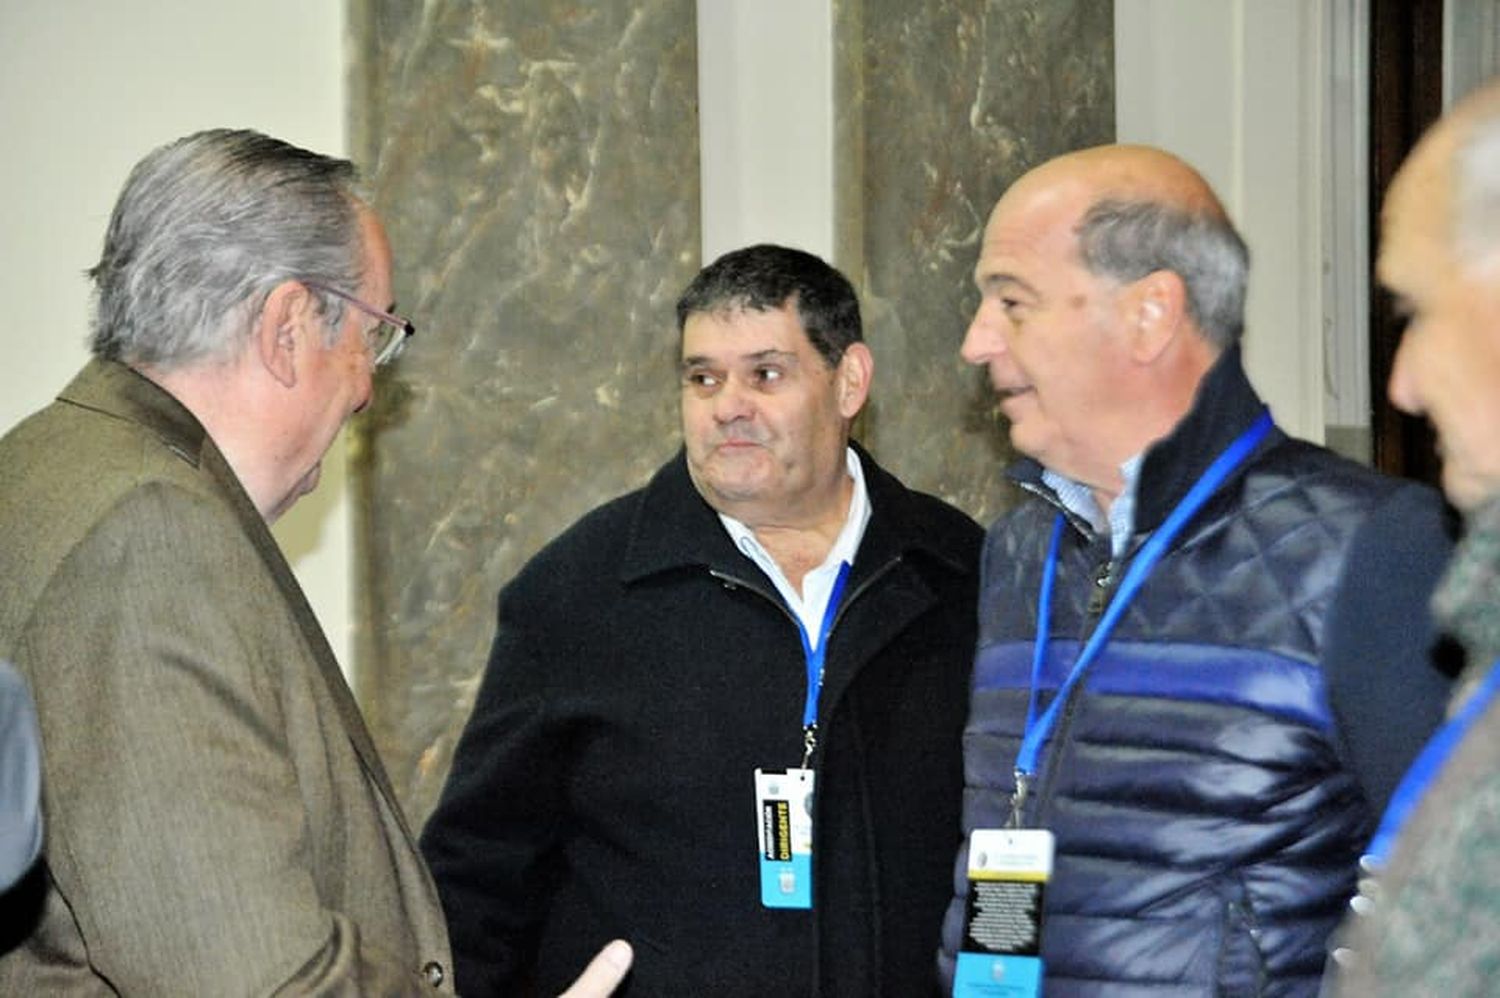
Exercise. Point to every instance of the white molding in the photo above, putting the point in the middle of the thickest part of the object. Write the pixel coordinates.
(1471, 45)
(1234, 87)
(765, 120)
(1346, 217)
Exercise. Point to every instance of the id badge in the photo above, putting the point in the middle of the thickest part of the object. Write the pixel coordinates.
(1001, 955)
(783, 808)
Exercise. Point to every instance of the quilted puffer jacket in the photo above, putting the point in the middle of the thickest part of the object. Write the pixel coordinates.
(1207, 831)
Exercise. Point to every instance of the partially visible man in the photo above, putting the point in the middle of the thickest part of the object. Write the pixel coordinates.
(1148, 697)
(20, 780)
(673, 675)
(1429, 922)
(1388, 686)
(218, 821)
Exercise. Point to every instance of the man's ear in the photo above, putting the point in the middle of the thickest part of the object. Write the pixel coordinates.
(852, 377)
(1155, 313)
(276, 328)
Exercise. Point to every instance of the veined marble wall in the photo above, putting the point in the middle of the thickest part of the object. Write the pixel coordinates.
(536, 163)
(940, 106)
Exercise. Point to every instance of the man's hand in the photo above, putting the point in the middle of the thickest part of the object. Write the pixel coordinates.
(604, 973)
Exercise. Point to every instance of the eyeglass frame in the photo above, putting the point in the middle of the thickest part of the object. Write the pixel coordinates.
(403, 326)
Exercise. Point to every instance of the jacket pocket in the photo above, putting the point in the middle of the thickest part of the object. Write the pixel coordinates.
(1242, 968)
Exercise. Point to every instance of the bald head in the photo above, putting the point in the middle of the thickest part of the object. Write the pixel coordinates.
(1448, 190)
(1440, 254)
(1122, 173)
(1135, 210)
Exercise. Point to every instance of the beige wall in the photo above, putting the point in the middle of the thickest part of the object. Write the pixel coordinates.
(86, 88)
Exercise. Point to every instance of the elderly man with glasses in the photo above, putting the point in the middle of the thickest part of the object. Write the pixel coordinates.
(218, 821)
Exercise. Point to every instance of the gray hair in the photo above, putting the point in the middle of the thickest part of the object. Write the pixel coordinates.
(1476, 200)
(203, 231)
(1126, 240)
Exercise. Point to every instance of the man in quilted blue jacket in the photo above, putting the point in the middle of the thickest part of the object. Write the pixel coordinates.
(1148, 706)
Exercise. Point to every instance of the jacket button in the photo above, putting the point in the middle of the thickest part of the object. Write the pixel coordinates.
(433, 974)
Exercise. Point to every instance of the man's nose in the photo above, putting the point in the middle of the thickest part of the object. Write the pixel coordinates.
(982, 340)
(367, 389)
(732, 401)
(1400, 387)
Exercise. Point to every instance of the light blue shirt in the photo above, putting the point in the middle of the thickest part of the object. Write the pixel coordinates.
(1078, 499)
(20, 779)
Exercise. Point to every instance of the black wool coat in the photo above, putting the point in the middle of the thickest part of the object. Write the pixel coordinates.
(642, 670)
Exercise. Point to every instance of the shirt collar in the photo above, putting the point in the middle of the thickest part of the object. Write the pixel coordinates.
(847, 543)
(1078, 499)
(817, 585)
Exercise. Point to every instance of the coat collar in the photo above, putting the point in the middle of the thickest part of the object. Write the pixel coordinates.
(675, 528)
(121, 392)
(1223, 408)
(1224, 405)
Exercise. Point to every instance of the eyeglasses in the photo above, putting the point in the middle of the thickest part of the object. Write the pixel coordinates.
(386, 340)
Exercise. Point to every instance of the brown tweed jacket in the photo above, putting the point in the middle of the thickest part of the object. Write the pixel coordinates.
(218, 821)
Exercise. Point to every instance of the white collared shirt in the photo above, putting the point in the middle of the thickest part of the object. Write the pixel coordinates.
(817, 585)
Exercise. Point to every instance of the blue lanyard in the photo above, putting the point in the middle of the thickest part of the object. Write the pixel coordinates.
(1424, 770)
(814, 659)
(1039, 730)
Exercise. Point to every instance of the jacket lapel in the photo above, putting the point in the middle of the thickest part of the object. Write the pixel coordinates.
(885, 593)
(214, 464)
(119, 391)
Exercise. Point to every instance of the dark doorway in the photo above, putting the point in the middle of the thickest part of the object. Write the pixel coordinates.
(1406, 95)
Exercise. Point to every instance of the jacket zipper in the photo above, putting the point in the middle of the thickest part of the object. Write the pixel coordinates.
(732, 581)
(1105, 577)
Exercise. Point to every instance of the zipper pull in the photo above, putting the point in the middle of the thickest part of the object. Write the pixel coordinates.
(1104, 580)
(1018, 799)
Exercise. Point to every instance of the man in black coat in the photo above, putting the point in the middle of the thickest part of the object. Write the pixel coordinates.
(675, 674)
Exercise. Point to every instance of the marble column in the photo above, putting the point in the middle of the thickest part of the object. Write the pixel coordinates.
(536, 163)
(939, 106)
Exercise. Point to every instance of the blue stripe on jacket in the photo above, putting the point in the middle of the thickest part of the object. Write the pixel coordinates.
(1237, 677)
